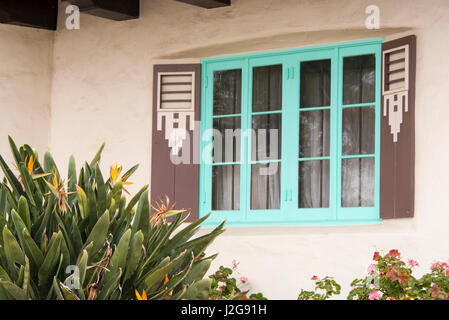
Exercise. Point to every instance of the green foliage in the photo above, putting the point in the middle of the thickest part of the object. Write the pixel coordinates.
(226, 287)
(390, 278)
(49, 227)
(434, 285)
(199, 290)
(328, 287)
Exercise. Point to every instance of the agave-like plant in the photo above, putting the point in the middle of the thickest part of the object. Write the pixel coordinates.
(82, 240)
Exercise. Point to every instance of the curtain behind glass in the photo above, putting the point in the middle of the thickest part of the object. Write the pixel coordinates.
(227, 103)
(265, 188)
(358, 132)
(266, 178)
(226, 187)
(314, 134)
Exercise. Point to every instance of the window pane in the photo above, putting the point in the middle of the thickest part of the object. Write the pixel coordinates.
(357, 182)
(314, 184)
(267, 88)
(314, 133)
(359, 79)
(315, 83)
(266, 137)
(266, 186)
(226, 187)
(227, 145)
(227, 92)
(358, 130)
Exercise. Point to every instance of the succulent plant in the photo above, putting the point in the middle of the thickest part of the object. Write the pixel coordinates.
(82, 239)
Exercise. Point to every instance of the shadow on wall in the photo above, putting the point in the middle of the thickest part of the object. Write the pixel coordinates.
(282, 41)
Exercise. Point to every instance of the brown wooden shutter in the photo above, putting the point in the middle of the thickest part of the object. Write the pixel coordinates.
(176, 100)
(397, 152)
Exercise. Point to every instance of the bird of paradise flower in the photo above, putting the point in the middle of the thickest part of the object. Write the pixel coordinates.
(58, 190)
(165, 282)
(162, 210)
(141, 297)
(30, 166)
(114, 174)
(144, 293)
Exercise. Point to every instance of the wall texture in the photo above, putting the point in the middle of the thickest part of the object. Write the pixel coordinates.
(26, 57)
(102, 91)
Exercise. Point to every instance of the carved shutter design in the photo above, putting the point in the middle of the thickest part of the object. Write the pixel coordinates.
(176, 107)
(397, 163)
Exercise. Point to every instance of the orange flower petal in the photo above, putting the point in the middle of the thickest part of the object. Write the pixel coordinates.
(55, 181)
(30, 164)
(138, 295)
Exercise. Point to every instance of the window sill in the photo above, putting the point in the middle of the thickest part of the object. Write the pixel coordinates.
(213, 224)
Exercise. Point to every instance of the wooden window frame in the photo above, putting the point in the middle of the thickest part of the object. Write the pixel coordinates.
(289, 214)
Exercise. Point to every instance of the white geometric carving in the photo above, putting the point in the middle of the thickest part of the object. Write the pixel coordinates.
(395, 88)
(396, 103)
(175, 136)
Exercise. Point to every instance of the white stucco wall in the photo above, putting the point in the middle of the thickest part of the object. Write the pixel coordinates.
(102, 91)
(26, 57)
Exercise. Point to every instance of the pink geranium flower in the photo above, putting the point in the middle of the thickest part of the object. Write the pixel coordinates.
(394, 253)
(244, 279)
(374, 295)
(314, 278)
(439, 265)
(434, 291)
(413, 263)
(371, 268)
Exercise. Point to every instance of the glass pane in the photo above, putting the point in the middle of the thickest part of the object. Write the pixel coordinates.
(313, 184)
(359, 79)
(267, 88)
(266, 186)
(357, 182)
(314, 133)
(358, 130)
(227, 144)
(226, 187)
(315, 83)
(227, 92)
(266, 137)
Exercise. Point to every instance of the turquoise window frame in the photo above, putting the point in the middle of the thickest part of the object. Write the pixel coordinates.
(289, 214)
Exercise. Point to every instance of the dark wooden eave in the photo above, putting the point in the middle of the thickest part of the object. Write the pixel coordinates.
(44, 13)
(118, 10)
(41, 14)
(208, 4)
